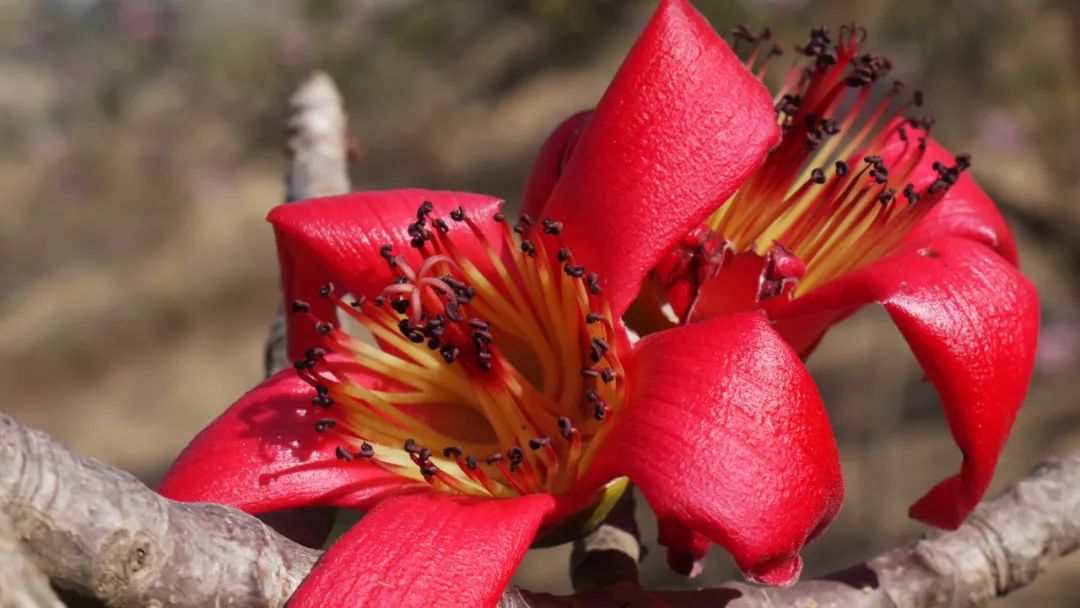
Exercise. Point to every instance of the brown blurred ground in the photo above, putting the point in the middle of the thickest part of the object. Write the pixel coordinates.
(140, 151)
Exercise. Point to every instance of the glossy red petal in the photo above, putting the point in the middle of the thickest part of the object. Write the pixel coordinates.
(972, 321)
(263, 454)
(426, 550)
(548, 166)
(965, 211)
(679, 128)
(338, 238)
(726, 434)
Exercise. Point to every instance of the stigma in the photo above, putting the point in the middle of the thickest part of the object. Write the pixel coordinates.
(492, 367)
(825, 201)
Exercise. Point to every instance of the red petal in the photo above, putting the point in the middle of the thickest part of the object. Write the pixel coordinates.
(339, 238)
(679, 128)
(426, 550)
(972, 321)
(965, 211)
(726, 434)
(263, 454)
(548, 166)
(686, 550)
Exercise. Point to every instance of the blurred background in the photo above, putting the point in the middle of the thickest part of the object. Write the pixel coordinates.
(140, 148)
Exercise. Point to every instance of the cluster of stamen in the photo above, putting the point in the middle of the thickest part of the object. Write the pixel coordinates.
(495, 375)
(826, 195)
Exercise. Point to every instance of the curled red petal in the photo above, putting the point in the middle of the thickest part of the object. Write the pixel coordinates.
(972, 322)
(338, 239)
(726, 434)
(426, 550)
(965, 211)
(263, 454)
(686, 549)
(679, 128)
(548, 166)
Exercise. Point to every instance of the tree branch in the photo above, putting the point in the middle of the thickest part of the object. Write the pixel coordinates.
(99, 531)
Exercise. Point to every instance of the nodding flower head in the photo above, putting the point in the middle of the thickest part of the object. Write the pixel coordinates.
(841, 190)
(498, 367)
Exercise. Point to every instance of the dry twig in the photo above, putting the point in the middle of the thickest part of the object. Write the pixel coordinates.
(101, 532)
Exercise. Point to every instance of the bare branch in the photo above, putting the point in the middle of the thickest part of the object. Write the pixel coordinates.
(99, 531)
(21, 582)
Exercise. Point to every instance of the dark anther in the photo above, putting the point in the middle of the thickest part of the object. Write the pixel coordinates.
(452, 451)
(897, 86)
(499, 217)
(886, 196)
(300, 306)
(458, 214)
(324, 424)
(358, 302)
(592, 395)
(552, 227)
(441, 225)
(483, 360)
(592, 281)
(901, 132)
(817, 176)
(326, 290)
(449, 353)
(539, 442)
(479, 324)
(526, 220)
(593, 317)
(323, 328)
(425, 208)
(429, 470)
(910, 194)
(600, 411)
(400, 306)
(453, 311)
(565, 427)
(841, 168)
(528, 248)
(322, 389)
(873, 159)
(385, 251)
(481, 336)
(343, 454)
(563, 254)
(574, 271)
(917, 98)
(496, 457)
(411, 447)
(424, 454)
(366, 451)
(607, 375)
(515, 454)
(963, 161)
(599, 349)
(378, 301)
(315, 353)
(470, 462)
(323, 401)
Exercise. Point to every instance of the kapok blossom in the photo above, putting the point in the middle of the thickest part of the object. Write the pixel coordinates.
(501, 400)
(855, 204)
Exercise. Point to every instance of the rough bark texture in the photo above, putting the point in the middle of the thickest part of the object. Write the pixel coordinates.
(102, 533)
(21, 582)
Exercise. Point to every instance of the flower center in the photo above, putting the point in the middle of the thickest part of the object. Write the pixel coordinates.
(825, 196)
(496, 371)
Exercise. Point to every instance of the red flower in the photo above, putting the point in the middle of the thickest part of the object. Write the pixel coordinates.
(855, 205)
(499, 393)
